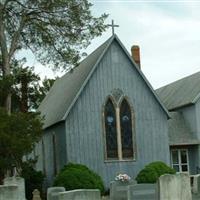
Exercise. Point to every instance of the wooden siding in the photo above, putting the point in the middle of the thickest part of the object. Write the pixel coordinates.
(60, 151)
(190, 116)
(84, 129)
(193, 158)
(197, 108)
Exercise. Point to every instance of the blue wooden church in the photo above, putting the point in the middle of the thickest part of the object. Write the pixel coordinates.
(106, 115)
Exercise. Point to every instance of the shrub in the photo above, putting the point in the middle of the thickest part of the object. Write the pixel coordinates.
(33, 179)
(77, 176)
(153, 171)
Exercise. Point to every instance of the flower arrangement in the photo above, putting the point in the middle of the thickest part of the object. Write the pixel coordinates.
(123, 177)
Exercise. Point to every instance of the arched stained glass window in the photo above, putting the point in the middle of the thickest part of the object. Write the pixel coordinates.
(126, 130)
(111, 130)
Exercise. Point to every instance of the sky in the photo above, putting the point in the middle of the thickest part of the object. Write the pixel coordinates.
(168, 33)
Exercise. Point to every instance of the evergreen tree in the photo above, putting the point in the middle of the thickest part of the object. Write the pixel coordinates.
(26, 87)
(19, 132)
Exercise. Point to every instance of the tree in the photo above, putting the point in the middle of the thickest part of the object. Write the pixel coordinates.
(25, 82)
(25, 86)
(19, 132)
(54, 30)
(40, 91)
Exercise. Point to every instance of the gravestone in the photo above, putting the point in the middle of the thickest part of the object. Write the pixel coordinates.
(142, 192)
(36, 195)
(52, 192)
(81, 194)
(195, 183)
(19, 182)
(119, 189)
(173, 187)
(8, 192)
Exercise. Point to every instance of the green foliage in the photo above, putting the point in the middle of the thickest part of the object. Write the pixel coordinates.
(6, 83)
(18, 134)
(33, 179)
(153, 171)
(26, 88)
(40, 91)
(28, 91)
(77, 176)
(55, 31)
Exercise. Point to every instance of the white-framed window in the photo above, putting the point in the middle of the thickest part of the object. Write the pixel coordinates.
(119, 134)
(179, 160)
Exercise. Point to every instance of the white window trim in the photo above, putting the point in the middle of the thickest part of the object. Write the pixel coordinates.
(179, 160)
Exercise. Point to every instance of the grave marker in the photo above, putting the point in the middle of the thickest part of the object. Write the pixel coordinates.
(173, 187)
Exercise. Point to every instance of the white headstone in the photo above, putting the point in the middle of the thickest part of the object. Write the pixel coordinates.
(195, 183)
(173, 187)
(18, 181)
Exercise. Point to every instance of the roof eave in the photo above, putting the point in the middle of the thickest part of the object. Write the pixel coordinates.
(51, 125)
(184, 143)
(181, 106)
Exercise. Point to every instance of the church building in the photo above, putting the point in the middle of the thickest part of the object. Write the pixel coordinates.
(106, 115)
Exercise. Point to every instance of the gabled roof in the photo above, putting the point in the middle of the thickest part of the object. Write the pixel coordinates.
(179, 132)
(65, 91)
(180, 93)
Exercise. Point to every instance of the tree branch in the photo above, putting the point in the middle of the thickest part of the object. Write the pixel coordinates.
(3, 45)
(16, 37)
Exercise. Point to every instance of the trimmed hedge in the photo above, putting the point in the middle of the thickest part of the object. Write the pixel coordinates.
(153, 171)
(77, 176)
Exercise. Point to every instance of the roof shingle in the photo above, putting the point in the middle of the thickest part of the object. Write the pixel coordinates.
(180, 93)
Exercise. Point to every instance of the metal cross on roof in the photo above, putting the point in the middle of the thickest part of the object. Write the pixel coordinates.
(113, 26)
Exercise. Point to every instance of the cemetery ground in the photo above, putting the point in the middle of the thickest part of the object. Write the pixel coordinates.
(194, 197)
(168, 187)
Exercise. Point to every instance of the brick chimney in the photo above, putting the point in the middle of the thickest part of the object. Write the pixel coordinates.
(135, 51)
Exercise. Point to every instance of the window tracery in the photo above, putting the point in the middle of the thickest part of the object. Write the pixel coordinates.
(119, 127)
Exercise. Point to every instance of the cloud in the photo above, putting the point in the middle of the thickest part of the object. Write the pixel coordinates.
(167, 32)
(168, 35)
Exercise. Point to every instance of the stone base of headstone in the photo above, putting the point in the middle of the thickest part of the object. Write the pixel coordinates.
(19, 182)
(53, 192)
(81, 194)
(119, 189)
(8, 192)
(142, 192)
